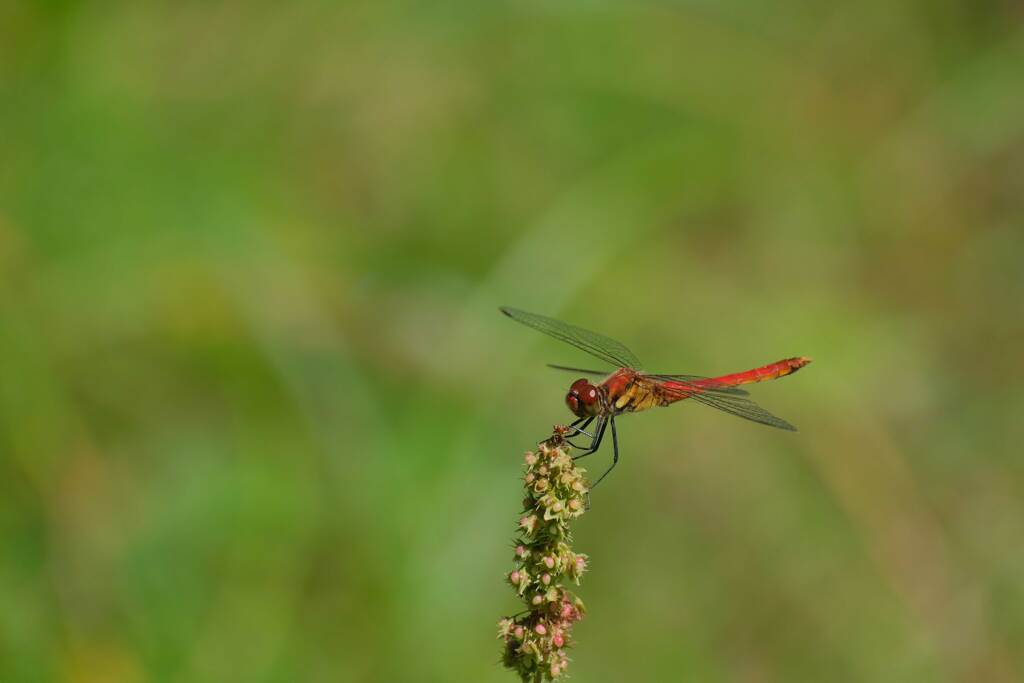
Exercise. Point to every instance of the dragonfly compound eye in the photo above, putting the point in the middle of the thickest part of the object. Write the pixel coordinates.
(582, 397)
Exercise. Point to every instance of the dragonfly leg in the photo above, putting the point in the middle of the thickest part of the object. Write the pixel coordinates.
(596, 443)
(580, 430)
(576, 430)
(615, 455)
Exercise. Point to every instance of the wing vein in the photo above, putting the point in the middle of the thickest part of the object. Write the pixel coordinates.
(597, 345)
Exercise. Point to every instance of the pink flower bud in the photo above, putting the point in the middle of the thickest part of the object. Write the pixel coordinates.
(545, 578)
(581, 564)
(520, 551)
(513, 578)
(528, 523)
(549, 562)
(529, 478)
(537, 599)
(555, 669)
(540, 629)
(575, 505)
(530, 458)
(519, 632)
(558, 639)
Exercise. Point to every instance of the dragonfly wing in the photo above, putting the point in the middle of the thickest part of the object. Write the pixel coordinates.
(730, 400)
(743, 407)
(598, 345)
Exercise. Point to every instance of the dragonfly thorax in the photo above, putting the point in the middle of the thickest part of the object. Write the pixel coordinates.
(583, 399)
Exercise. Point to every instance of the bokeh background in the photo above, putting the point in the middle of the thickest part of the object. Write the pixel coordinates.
(260, 419)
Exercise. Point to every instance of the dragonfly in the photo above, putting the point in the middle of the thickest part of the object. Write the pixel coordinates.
(629, 390)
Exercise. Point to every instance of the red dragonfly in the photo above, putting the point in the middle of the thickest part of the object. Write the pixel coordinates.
(628, 390)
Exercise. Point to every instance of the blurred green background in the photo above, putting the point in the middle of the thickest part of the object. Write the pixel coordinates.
(260, 419)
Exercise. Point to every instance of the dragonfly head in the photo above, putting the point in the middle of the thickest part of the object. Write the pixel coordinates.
(582, 399)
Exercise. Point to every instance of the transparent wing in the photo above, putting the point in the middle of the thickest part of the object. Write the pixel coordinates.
(743, 407)
(728, 399)
(595, 344)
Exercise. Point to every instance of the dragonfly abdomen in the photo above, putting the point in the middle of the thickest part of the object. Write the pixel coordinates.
(774, 370)
(677, 390)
